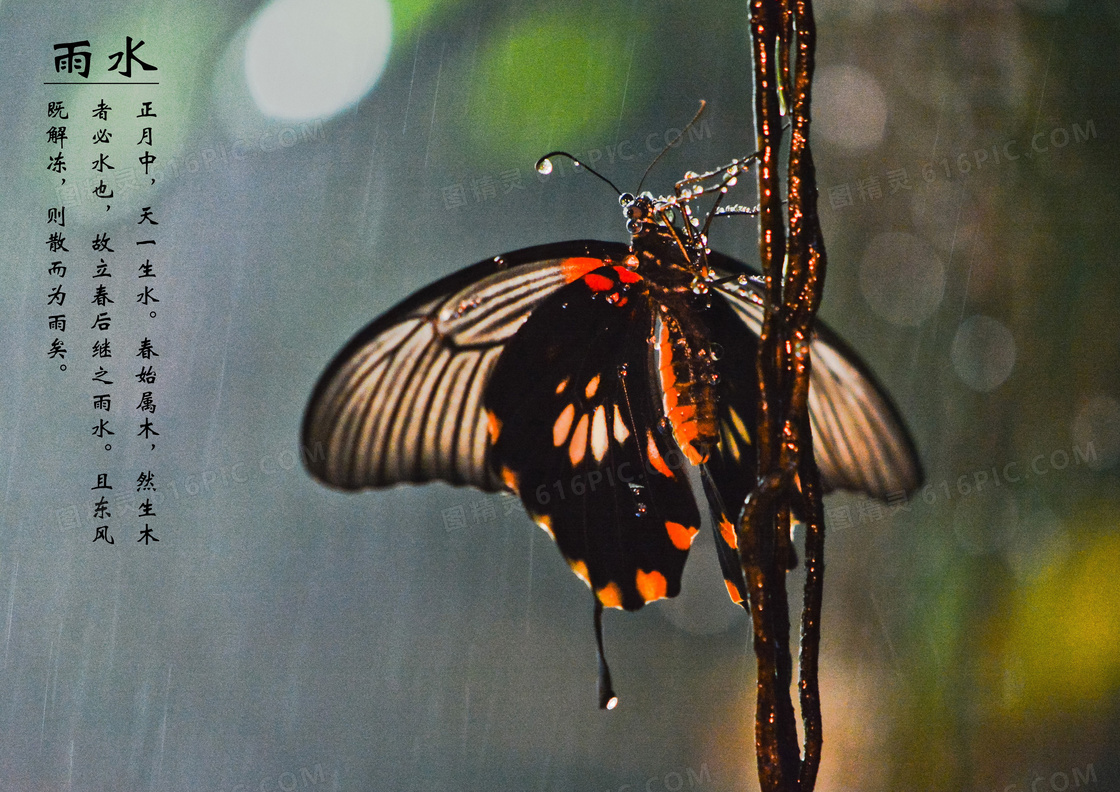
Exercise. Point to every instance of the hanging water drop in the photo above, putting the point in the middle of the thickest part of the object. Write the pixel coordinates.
(544, 166)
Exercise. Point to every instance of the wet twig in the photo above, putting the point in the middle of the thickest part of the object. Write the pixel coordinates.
(793, 265)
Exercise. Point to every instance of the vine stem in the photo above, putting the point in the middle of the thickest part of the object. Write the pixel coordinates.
(793, 265)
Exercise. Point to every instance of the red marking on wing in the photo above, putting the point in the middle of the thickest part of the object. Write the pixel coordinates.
(598, 283)
(575, 268)
(627, 275)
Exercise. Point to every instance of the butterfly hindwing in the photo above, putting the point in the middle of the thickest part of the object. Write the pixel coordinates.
(860, 442)
(576, 432)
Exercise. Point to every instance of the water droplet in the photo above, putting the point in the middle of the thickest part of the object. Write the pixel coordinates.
(625, 198)
(734, 169)
(670, 215)
(691, 175)
(699, 287)
(695, 222)
(544, 166)
(622, 369)
(632, 226)
(717, 351)
(742, 280)
(698, 190)
(732, 181)
(686, 193)
(639, 509)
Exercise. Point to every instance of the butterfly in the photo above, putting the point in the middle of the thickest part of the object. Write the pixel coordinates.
(586, 377)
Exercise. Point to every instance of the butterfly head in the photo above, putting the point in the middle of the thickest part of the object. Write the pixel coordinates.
(640, 213)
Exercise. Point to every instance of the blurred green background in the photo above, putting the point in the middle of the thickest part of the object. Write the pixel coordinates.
(320, 162)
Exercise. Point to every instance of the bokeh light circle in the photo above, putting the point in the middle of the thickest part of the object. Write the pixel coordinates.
(983, 353)
(310, 59)
(902, 278)
(1098, 425)
(849, 108)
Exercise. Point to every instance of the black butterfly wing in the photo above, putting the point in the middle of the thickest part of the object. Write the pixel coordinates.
(577, 434)
(402, 402)
(860, 442)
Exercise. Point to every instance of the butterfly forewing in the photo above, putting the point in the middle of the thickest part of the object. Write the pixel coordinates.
(402, 402)
(577, 433)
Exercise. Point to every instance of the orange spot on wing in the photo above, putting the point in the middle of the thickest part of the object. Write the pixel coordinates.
(592, 386)
(545, 522)
(598, 283)
(578, 446)
(655, 458)
(620, 430)
(493, 426)
(580, 568)
(511, 479)
(727, 531)
(563, 425)
(610, 595)
(651, 585)
(575, 268)
(599, 439)
(680, 535)
(732, 591)
(563, 384)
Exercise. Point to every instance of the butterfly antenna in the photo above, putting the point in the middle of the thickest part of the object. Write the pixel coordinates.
(687, 127)
(544, 166)
(607, 699)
